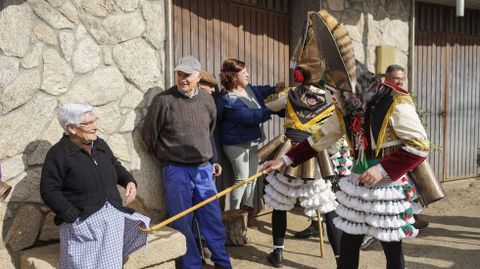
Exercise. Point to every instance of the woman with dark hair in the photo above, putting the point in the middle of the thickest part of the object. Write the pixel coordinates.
(242, 112)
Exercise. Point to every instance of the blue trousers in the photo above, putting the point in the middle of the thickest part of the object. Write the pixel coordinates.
(185, 186)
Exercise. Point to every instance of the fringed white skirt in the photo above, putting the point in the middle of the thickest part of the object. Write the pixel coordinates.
(383, 211)
(282, 192)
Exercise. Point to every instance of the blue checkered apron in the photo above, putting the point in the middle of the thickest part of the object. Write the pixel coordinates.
(102, 240)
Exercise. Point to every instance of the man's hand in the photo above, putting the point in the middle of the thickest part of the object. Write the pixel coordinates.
(217, 169)
(272, 165)
(130, 193)
(371, 176)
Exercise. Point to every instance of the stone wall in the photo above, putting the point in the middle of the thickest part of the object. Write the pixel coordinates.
(104, 52)
(370, 23)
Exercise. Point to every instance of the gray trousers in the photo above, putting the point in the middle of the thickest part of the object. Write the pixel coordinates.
(244, 161)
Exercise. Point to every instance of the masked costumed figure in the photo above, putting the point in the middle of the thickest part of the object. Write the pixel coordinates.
(387, 140)
(306, 110)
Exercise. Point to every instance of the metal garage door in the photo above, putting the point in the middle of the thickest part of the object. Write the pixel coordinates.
(447, 83)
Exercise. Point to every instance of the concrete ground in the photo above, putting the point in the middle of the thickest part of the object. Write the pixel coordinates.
(451, 241)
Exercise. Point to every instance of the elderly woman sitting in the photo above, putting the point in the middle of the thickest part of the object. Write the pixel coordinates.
(79, 183)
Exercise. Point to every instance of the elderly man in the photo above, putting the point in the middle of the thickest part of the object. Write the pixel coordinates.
(177, 129)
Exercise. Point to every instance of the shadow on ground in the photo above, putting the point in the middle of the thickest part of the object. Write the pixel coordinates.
(442, 248)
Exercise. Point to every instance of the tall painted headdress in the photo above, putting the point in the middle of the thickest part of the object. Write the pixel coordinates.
(325, 51)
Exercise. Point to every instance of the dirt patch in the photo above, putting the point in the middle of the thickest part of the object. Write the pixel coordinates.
(452, 240)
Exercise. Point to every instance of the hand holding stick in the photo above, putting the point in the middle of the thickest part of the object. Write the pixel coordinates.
(197, 206)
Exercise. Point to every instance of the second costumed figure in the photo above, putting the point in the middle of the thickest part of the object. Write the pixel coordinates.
(306, 109)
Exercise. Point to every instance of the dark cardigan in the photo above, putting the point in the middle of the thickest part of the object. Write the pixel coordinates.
(74, 184)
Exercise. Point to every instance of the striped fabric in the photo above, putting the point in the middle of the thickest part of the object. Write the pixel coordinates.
(102, 240)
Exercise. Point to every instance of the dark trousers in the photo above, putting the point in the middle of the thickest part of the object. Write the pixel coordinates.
(350, 251)
(279, 228)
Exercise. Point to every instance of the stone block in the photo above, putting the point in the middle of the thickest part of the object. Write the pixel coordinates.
(336, 5)
(25, 124)
(46, 257)
(86, 56)
(12, 167)
(20, 91)
(163, 247)
(69, 10)
(32, 59)
(154, 15)
(46, 34)
(50, 15)
(125, 26)
(57, 74)
(15, 42)
(138, 62)
(120, 147)
(101, 87)
(156, 252)
(22, 234)
(50, 231)
(166, 265)
(98, 8)
(67, 41)
(109, 118)
(26, 186)
(127, 5)
(10, 70)
(95, 28)
(5, 259)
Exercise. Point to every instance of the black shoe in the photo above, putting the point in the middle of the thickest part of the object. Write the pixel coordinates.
(311, 230)
(276, 257)
(420, 223)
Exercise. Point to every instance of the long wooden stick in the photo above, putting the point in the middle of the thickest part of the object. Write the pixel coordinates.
(320, 233)
(204, 202)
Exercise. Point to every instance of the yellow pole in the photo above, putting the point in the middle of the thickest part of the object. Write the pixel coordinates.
(204, 202)
(320, 233)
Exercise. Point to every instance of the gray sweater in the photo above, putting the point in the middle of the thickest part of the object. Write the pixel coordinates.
(178, 129)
